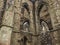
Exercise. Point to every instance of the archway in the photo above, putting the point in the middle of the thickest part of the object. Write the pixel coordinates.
(45, 34)
(46, 25)
(25, 6)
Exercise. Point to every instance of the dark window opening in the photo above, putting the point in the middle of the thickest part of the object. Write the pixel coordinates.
(26, 6)
(25, 41)
(45, 35)
(26, 25)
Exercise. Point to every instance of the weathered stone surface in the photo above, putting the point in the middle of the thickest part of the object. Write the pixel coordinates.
(54, 7)
(7, 25)
(16, 36)
(8, 15)
(12, 17)
(1, 4)
(5, 35)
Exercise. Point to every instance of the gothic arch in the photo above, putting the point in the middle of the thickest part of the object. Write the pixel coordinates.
(25, 7)
(45, 34)
(39, 7)
(45, 14)
(47, 19)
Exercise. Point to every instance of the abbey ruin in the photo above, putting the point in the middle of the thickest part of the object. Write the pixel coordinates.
(29, 22)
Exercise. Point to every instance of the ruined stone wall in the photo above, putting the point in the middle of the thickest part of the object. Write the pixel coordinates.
(11, 21)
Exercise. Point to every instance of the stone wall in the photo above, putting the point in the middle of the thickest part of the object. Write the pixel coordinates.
(11, 21)
(54, 9)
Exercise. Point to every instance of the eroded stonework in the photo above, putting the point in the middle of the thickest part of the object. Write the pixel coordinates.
(28, 22)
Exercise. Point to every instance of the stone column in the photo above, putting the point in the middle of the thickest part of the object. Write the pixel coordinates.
(17, 14)
(7, 24)
(54, 9)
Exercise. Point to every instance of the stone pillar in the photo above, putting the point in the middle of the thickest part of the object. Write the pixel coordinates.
(7, 24)
(16, 36)
(54, 9)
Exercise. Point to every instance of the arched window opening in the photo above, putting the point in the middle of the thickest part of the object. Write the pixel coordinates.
(26, 25)
(45, 15)
(45, 35)
(23, 41)
(25, 6)
(45, 27)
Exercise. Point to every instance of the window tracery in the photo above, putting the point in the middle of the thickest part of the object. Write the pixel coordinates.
(25, 24)
(45, 35)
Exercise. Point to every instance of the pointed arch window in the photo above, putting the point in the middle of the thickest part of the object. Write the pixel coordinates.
(45, 38)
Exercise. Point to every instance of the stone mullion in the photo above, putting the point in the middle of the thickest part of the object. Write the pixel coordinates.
(32, 28)
(34, 16)
(32, 25)
(37, 25)
(37, 20)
